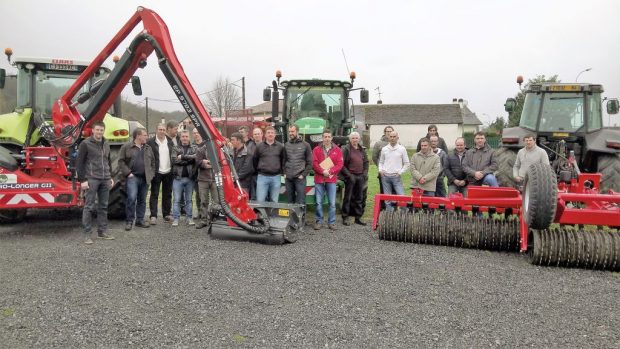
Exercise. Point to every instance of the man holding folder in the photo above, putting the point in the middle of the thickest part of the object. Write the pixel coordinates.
(327, 163)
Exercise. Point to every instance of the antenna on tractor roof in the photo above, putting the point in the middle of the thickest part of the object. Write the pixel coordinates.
(345, 62)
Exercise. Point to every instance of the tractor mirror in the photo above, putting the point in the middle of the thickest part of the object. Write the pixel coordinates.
(364, 96)
(266, 95)
(510, 105)
(2, 78)
(136, 86)
(612, 106)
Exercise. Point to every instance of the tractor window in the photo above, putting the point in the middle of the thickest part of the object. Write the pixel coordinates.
(50, 87)
(23, 88)
(318, 102)
(531, 108)
(562, 112)
(595, 115)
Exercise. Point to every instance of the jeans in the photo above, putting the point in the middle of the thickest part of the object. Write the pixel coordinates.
(490, 180)
(136, 199)
(267, 188)
(296, 190)
(392, 185)
(319, 191)
(355, 188)
(97, 190)
(182, 186)
(163, 181)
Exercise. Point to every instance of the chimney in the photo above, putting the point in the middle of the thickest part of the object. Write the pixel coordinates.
(461, 103)
(454, 101)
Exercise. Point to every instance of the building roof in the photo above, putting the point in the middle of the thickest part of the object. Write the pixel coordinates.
(412, 114)
(264, 107)
(470, 118)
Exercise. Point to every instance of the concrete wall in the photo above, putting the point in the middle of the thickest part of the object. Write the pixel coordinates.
(411, 134)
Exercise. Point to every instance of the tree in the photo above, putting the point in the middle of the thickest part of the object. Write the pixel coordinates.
(223, 97)
(497, 126)
(515, 116)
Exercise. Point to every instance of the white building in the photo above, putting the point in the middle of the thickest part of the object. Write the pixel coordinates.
(411, 121)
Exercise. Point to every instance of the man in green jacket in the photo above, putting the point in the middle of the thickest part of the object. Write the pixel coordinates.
(425, 167)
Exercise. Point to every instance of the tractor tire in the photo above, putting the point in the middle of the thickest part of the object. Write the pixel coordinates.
(540, 196)
(609, 167)
(118, 194)
(506, 158)
(12, 216)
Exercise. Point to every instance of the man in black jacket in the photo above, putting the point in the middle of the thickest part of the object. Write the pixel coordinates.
(137, 165)
(268, 161)
(162, 146)
(440, 183)
(432, 131)
(94, 174)
(207, 191)
(355, 173)
(243, 161)
(183, 160)
(457, 181)
(297, 165)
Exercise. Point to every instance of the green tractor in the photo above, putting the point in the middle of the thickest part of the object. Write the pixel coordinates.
(568, 122)
(40, 82)
(313, 105)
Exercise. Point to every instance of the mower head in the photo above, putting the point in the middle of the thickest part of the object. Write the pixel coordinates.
(286, 222)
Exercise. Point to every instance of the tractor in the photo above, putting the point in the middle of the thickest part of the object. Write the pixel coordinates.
(568, 122)
(313, 105)
(39, 83)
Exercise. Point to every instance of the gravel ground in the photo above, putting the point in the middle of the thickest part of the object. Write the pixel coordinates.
(178, 288)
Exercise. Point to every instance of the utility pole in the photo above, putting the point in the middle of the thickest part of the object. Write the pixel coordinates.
(147, 114)
(243, 92)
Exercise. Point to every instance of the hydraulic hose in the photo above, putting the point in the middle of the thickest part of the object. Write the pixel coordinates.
(261, 229)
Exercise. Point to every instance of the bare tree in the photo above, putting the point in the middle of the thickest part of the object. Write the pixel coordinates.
(223, 97)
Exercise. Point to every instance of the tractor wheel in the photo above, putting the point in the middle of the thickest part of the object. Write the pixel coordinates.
(609, 167)
(12, 216)
(506, 158)
(540, 196)
(118, 195)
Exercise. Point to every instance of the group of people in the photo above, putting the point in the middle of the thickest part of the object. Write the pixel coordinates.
(432, 166)
(172, 164)
(175, 167)
(295, 159)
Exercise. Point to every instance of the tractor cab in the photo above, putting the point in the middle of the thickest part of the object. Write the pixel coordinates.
(562, 108)
(39, 83)
(567, 120)
(314, 105)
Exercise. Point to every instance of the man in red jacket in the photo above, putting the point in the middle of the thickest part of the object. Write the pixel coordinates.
(325, 177)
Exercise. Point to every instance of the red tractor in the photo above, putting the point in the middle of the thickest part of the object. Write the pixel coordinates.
(45, 177)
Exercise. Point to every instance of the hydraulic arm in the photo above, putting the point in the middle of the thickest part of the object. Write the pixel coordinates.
(69, 124)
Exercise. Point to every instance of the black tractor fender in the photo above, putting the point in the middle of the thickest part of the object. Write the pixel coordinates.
(515, 133)
(596, 141)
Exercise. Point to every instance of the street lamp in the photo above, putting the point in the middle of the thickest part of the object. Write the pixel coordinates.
(583, 71)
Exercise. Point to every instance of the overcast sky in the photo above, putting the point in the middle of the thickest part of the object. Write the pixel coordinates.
(415, 51)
